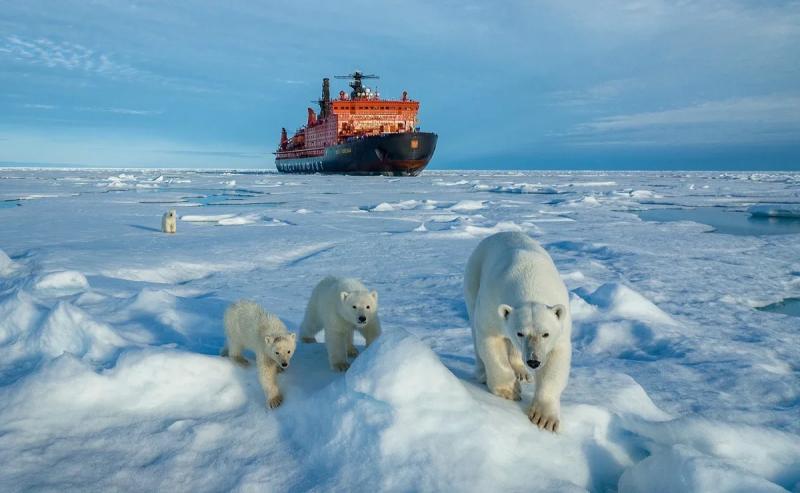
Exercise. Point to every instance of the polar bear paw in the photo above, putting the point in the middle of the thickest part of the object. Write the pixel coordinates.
(544, 414)
(523, 376)
(343, 366)
(352, 352)
(275, 401)
(512, 393)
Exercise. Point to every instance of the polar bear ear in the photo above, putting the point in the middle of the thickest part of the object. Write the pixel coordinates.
(292, 336)
(269, 340)
(559, 311)
(504, 311)
(344, 295)
(374, 295)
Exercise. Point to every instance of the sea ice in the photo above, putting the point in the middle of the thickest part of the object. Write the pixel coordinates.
(110, 331)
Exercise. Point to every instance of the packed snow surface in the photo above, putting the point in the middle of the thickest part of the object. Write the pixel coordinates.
(110, 331)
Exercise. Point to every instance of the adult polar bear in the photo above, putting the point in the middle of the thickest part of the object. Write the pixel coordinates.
(518, 305)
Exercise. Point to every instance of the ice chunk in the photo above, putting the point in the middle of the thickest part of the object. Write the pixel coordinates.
(468, 205)
(623, 301)
(61, 283)
(524, 188)
(775, 210)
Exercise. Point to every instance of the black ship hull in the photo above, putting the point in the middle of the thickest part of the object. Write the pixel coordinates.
(400, 154)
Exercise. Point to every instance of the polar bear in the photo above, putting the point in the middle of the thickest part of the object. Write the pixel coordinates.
(341, 306)
(169, 221)
(518, 308)
(248, 326)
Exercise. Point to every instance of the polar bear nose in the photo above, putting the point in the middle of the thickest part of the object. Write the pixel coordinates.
(362, 318)
(533, 363)
(284, 365)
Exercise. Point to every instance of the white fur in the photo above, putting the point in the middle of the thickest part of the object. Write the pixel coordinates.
(248, 326)
(331, 307)
(512, 287)
(169, 221)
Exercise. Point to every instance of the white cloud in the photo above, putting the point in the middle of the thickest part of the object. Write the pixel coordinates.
(39, 106)
(121, 111)
(64, 55)
(753, 110)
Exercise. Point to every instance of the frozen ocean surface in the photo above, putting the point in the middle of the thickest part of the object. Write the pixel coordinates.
(110, 330)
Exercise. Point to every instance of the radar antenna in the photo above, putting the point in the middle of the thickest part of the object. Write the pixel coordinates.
(356, 77)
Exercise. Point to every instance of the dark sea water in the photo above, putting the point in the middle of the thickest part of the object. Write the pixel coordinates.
(789, 306)
(726, 221)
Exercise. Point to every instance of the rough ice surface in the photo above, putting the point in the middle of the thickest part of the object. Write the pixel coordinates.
(110, 377)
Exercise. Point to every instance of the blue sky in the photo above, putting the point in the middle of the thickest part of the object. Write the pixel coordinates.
(647, 84)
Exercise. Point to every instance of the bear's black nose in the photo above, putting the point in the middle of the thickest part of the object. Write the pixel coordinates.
(362, 319)
(533, 363)
(284, 365)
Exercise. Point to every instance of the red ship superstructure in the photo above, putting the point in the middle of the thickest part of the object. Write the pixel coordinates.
(358, 133)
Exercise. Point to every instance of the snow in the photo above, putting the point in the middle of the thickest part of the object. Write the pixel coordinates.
(110, 331)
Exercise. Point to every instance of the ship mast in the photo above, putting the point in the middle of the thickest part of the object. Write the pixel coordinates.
(325, 102)
(358, 89)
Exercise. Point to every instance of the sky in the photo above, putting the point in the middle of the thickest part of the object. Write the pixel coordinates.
(548, 84)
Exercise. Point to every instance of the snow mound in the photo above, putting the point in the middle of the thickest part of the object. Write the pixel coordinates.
(234, 219)
(442, 183)
(29, 332)
(644, 194)
(468, 205)
(400, 418)
(7, 266)
(623, 301)
(68, 329)
(775, 210)
(195, 218)
(62, 283)
(616, 320)
(683, 469)
(738, 450)
(466, 228)
(404, 205)
(169, 273)
(147, 384)
(241, 219)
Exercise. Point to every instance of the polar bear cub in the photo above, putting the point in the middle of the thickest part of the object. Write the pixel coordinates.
(248, 326)
(519, 312)
(169, 221)
(341, 306)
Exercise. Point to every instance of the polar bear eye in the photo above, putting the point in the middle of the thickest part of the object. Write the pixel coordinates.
(546, 334)
(289, 352)
(367, 307)
(276, 352)
(520, 334)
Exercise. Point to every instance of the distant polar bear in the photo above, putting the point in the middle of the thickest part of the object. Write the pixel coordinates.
(519, 311)
(341, 306)
(248, 326)
(169, 221)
